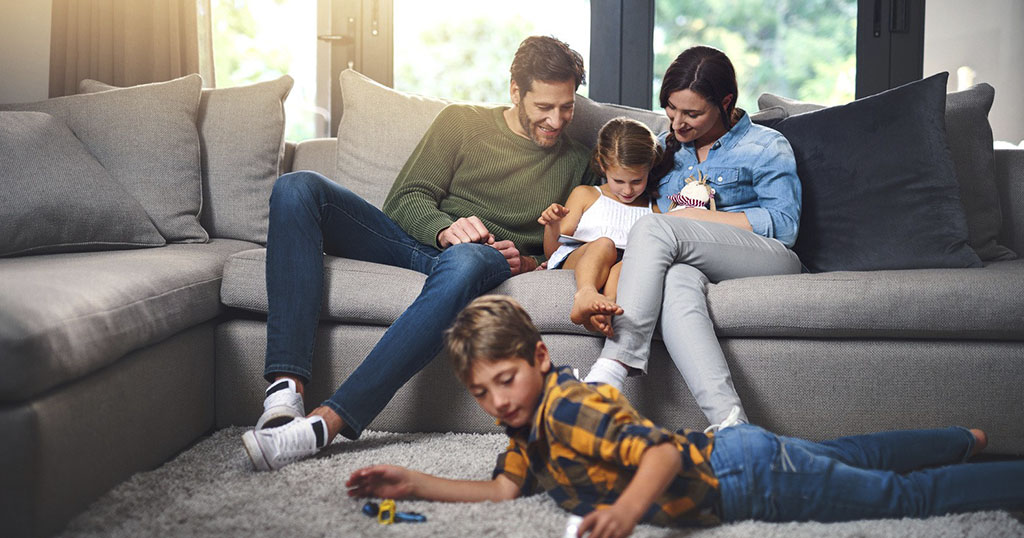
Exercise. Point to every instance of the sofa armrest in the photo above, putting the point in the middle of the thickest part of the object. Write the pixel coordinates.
(285, 165)
(1010, 182)
(316, 154)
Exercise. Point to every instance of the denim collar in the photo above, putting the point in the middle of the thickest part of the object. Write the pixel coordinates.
(730, 138)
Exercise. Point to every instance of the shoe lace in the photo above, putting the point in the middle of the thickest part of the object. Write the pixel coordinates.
(731, 420)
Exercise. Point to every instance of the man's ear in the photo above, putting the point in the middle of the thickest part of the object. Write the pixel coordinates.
(542, 358)
(513, 90)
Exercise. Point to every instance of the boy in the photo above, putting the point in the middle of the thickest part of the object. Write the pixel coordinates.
(595, 455)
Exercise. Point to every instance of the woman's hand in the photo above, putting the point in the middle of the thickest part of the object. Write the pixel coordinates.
(611, 522)
(387, 481)
(553, 214)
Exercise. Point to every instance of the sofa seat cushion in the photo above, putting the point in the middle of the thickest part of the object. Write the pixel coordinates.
(980, 303)
(977, 303)
(375, 294)
(65, 315)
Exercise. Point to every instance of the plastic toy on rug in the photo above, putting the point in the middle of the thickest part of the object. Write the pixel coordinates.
(386, 513)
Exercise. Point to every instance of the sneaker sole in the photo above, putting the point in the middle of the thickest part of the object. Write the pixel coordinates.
(252, 448)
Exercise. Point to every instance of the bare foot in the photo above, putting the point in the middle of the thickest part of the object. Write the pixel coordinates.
(980, 441)
(594, 311)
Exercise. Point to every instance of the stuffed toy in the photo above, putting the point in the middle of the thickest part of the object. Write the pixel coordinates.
(696, 193)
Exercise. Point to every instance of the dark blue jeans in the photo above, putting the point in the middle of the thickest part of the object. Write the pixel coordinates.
(914, 473)
(311, 215)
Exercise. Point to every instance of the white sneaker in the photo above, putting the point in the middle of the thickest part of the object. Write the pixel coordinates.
(274, 448)
(731, 420)
(282, 405)
(608, 371)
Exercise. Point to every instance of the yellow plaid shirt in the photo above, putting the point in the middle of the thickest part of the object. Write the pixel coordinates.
(584, 445)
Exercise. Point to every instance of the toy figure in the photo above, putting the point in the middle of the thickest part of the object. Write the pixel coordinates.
(697, 193)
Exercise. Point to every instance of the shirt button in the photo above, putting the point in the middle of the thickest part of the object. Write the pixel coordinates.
(690, 168)
(719, 179)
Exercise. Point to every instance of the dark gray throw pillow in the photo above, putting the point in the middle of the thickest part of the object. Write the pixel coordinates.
(879, 186)
(56, 197)
(969, 135)
(146, 138)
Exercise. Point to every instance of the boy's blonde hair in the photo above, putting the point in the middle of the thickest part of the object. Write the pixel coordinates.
(492, 327)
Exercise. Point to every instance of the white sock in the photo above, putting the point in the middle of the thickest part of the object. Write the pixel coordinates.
(608, 371)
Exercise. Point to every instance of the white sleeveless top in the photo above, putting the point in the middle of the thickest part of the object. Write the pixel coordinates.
(606, 217)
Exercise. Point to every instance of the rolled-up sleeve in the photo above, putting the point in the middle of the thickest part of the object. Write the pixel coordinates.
(779, 193)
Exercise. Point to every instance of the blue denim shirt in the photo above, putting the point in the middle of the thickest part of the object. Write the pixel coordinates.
(753, 170)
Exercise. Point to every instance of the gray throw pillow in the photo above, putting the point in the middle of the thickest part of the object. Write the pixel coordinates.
(589, 116)
(969, 135)
(57, 198)
(146, 138)
(241, 133)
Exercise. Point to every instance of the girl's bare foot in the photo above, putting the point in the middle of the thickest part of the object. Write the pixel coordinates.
(593, 310)
(980, 441)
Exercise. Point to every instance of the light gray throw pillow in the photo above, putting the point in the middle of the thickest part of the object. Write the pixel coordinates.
(146, 138)
(241, 133)
(969, 136)
(56, 197)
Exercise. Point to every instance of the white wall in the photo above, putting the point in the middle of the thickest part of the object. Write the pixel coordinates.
(988, 37)
(24, 50)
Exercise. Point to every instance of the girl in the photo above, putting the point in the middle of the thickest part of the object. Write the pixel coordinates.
(599, 218)
(673, 257)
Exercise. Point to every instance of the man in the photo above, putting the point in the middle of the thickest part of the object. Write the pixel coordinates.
(462, 211)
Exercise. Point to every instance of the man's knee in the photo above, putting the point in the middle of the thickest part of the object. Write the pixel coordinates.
(296, 187)
(472, 261)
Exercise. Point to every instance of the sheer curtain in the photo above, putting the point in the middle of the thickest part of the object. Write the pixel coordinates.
(124, 42)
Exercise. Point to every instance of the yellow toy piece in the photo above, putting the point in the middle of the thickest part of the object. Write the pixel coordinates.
(386, 515)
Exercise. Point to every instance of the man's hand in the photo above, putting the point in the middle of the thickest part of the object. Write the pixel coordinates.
(553, 214)
(517, 263)
(387, 481)
(465, 230)
(611, 522)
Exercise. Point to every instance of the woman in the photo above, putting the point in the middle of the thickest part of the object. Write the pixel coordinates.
(674, 255)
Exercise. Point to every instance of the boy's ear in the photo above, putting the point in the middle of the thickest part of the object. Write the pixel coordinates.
(541, 357)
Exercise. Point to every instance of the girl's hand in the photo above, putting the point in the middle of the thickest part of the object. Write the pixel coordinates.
(387, 481)
(611, 522)
(553, 214)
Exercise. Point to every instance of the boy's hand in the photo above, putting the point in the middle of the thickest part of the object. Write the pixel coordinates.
(611, 522)
(387, 481)
(553, 214)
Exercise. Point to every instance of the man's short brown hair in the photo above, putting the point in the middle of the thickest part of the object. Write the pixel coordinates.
(546, 59)
(492, 327)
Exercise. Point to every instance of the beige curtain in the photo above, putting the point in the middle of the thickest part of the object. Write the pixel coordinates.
(121, 42)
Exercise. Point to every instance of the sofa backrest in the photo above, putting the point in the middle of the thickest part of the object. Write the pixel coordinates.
(380, 128)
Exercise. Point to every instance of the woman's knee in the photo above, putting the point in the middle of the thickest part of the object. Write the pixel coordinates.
(647, 227)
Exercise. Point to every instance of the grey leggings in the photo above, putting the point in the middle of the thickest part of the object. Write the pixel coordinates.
(667, 265)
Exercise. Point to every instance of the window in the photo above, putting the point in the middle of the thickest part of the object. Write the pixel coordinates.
(461, 49)
(257, 40)
(803, 49)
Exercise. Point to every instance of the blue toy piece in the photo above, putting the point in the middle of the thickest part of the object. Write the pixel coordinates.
(386, 514)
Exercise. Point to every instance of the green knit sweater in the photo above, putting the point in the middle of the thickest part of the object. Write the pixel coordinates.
(470, 163)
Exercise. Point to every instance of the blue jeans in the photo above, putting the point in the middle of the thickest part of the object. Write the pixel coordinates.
(909, 473)
(311, 215)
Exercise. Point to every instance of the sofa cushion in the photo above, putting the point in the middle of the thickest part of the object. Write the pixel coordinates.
(879, 187)
(66, 315)
(375, 294)
(379, 129)
(878, 304)
(589, 116)
(241, 133)
(970, 139)
(146, 138)
(962, 304)
(57, 198)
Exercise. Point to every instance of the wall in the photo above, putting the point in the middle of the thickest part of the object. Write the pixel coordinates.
(988, 37)
(24, 50)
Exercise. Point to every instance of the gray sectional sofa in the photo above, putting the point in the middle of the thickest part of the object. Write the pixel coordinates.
(115, 360)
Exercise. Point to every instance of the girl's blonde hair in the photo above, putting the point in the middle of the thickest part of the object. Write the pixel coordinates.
(629, 144)
(491, 328)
